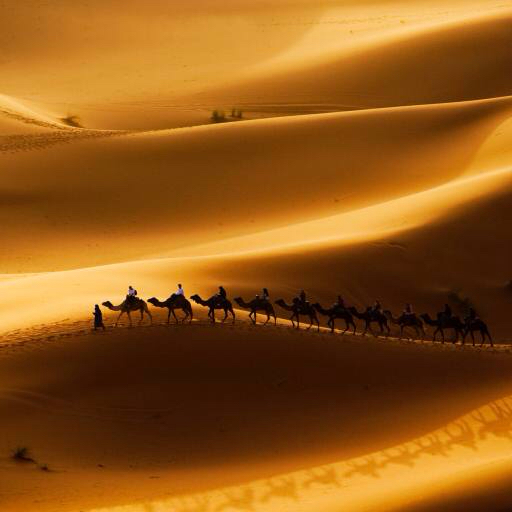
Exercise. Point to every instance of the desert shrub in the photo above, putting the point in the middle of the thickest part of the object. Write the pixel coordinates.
(71, 120)
(218, 116)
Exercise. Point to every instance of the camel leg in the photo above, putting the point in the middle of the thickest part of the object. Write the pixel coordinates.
(330, 324)
(317, 323)
(211, 314)
(472, 337)
(146, 310)
(175, 317)
(268, 318)
(485, 333)
(168, 315)
(353, 323)
(233, 314)
(401, 332)
(119, 317)
(435, 334)
(130, 317)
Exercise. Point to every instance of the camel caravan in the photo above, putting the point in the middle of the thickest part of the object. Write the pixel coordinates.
(372, 317)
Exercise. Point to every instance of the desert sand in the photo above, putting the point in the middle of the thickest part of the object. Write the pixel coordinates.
(372, 159)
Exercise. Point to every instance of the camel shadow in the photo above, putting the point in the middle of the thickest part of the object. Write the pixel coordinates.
(499, 425)
(326, 476)
(194, 504)
(285, 487)
(245, 500)
(369, 467)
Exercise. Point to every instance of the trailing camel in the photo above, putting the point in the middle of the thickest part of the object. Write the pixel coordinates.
(129, 306)
(172, 303)
(298, 308)
(476, 325)
(444, 322)
(334, 313)
(406, 321)
(214, 303)
(370, 316)
(256, 305)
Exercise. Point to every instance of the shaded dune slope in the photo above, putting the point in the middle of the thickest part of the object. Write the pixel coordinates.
(196, 418)
(130, 193)
(465, 60)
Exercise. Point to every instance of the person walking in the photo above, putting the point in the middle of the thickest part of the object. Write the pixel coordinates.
(98, 318)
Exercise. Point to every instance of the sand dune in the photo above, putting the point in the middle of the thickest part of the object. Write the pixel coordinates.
(434, 65)
(373, 160)
(193, 180)
(18, 118)
(174, 415)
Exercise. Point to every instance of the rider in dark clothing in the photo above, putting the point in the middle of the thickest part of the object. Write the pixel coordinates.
(264, 294)
(340, 302)
(302, 297)
(221, 295)
(376, 308)
(472, 317)
(447, 312)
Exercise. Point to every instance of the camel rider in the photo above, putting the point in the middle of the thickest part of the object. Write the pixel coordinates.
(221, 295)
(131, 296)
(302, 297)
(180, 292)
(340, 302)
(447, 312)
(472, 317)
(408, 312)
(376, 308)
(264, 294)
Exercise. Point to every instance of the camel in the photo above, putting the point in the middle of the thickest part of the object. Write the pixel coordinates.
(129, 306)
(406, 321)
(443, 322)
(336, 312)
(214, 303)
(172, 303)
(476, 325)
(257, 305)
(300, 309)
(369, 316)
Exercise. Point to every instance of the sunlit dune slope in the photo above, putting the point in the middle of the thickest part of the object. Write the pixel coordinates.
(145, 414)
(463, 60)
(18, 118)
(122, 197)
(115, 72)
(453, 256)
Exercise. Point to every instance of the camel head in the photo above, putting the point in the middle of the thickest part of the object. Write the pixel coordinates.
(280, 302)
(107, 304)
(239, 300)
(153, 301)
(196, 298)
